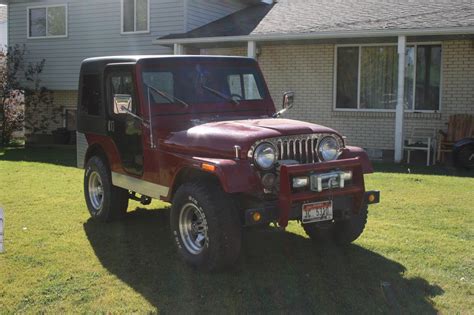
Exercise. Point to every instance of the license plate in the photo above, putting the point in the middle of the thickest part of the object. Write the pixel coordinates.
(316, 212)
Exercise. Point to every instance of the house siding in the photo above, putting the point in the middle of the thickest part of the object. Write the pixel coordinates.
(308, 70)
(201, 12)
(94, 29)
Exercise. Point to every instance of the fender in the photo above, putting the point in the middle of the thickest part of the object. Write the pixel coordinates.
(235, 176)
(352, 152)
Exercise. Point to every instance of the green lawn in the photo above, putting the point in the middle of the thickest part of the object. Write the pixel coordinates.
(418, 245)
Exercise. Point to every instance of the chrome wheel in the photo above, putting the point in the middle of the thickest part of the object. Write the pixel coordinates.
(96, 190)
(193, 228)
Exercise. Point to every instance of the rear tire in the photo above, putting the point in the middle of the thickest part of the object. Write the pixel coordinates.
(205, 226)
(341, 232)
(105, 201)
(463, 157)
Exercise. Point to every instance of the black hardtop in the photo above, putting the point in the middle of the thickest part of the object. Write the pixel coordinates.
(98, 64)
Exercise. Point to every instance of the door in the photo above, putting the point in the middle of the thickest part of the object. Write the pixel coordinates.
(125, 126)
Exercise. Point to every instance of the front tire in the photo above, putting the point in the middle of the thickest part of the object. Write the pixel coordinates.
(205, 226)
(105, 201)
(341, 232)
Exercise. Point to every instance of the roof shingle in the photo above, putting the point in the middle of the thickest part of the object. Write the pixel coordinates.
(313, 16)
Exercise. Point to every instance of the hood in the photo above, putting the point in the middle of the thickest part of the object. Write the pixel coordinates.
(217, 139)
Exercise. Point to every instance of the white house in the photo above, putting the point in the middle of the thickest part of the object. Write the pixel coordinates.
(371, 69)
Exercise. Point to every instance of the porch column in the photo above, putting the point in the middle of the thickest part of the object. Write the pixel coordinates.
(400, 99)
(179, 49)
(252, 49)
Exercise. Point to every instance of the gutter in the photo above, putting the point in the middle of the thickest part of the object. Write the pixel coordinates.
(319, 35)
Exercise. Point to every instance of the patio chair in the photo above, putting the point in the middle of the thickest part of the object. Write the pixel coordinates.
(460, 126)
(421, 139)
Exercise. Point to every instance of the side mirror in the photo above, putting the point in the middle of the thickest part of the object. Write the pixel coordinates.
(122, 103)
(288, 99)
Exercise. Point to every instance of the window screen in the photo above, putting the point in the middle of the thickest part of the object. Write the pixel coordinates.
(47, 21)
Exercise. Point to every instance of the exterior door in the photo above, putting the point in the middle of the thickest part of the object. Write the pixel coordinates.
(125, 127)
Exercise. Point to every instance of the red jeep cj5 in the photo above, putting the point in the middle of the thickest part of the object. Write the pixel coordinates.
(202, 133)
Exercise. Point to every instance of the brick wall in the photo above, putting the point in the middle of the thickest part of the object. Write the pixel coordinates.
(62, 99)
(308, 70)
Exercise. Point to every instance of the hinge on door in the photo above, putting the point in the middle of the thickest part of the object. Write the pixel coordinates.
(111, 126)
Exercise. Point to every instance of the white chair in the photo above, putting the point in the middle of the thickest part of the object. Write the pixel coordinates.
(421, 139)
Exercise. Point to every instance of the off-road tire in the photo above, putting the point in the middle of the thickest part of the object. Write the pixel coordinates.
(224, 229)
(461, 159)
(115, 199)
(341, 232)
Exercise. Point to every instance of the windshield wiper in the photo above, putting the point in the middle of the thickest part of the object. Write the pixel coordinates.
(171, 99)
(221, 95)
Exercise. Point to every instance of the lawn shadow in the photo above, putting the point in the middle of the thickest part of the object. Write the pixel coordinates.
(63, 156)
(277, 272)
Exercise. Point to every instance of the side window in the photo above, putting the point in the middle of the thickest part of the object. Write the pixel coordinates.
(235, 85)
(91, 94)
(121, 92)
(251, 88)
(244, 85)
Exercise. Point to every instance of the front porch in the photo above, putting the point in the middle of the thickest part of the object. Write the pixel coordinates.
(309, 68)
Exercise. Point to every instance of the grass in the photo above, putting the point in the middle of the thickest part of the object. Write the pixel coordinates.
(415, 256)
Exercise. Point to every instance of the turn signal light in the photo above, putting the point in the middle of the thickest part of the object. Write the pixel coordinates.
(371, 198)
(208, 167)
(256, 216)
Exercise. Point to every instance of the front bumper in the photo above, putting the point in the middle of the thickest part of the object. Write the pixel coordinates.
(347, 200)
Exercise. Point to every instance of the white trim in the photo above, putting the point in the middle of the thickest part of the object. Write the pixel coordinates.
(147, 31)
(46, 6)
(178, 49)
(401, 50)
(415, 64)
(252, 49)
(358, 109)
(320, 35)
(139, 186)
(334, 79)
(359, 67)
(186, 13)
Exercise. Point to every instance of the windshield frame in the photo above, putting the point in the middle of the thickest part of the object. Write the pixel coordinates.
(263, 105)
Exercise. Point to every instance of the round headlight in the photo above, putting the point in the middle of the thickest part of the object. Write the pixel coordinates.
(265, 156)
(328, 149)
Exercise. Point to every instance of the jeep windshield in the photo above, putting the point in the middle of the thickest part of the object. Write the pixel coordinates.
(202, 83)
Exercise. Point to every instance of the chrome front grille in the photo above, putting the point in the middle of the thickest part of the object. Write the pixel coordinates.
(300, 148)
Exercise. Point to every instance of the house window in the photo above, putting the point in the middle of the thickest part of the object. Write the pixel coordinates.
(47, 21)
(367, 77)
(135, 16)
